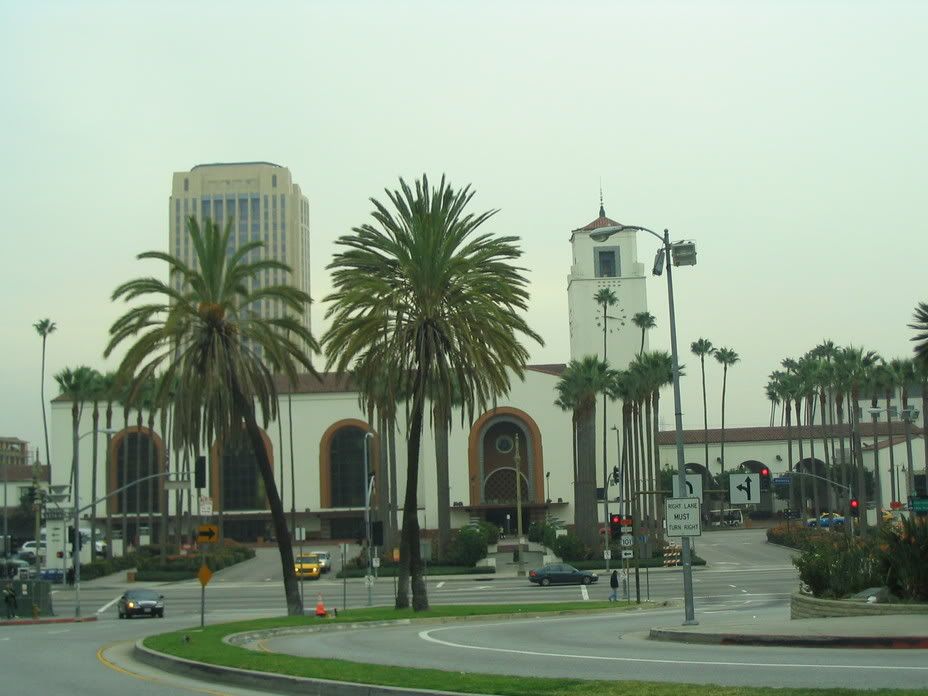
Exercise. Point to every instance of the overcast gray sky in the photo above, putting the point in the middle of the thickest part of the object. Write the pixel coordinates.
(786, 138)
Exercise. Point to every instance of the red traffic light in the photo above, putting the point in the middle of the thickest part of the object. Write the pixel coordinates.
(855, 503)
(615, 519)
(765, 472)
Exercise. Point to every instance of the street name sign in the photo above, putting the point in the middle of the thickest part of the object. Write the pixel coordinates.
(781, 481)
(693, 486)
(682, 515)
(206, 505)
(744, 489)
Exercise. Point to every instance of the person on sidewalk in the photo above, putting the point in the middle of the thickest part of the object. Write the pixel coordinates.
(614, 584)
(9, 599)
(70, 577)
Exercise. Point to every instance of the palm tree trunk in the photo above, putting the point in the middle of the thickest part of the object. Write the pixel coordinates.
(839, 408)
(278, 516)
(154, 467)
(892, 458)
(383, 485)
(788, 411)
(93, 485)
(410, 556)
(722, 437)
(585, 492)
(394, 508)
(138, 475)
(108, 466)
(655, 473)
(829, 491)
(802, 479)
(124, 508)
(859, 464)
(48, 453)
(810, 416)
(441, 420)
(705, 410)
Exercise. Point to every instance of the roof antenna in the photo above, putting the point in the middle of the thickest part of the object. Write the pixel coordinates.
(602, 211)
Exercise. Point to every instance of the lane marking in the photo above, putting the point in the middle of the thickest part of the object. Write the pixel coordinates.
(108, 604)
(426, 635)
(101, 657)
(732, 585)
(584, 593)
(54, 633)
(440, 585)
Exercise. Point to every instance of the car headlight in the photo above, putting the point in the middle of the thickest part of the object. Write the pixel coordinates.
(131, 605)
(159, 605)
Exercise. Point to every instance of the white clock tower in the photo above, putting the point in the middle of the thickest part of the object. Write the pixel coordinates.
(612, 264)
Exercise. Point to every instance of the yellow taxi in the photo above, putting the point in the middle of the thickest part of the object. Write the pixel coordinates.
(307, 567)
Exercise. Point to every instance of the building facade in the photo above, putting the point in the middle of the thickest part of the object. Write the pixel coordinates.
(262, 203)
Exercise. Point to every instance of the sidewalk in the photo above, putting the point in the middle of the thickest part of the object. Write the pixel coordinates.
(844, 632)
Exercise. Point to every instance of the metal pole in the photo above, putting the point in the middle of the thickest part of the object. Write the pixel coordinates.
(907, 415)
(877, 483)
(6, 529)
(202, 561)
(76, 547)
(607, 536)
(518, 460)
(368, 481)
(690, 618)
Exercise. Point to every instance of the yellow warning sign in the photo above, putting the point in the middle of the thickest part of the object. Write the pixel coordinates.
(207, 533)
(204, 575)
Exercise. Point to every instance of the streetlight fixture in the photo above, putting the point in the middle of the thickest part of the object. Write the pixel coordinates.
(681, 253)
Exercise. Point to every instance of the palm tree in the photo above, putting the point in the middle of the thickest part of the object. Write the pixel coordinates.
(44, 327)
(920, 324)
(644, 321)
(75, 385)
(108, 393)
(904, 368)
(578, 388)
(855, 364)
(702, 348)
(727, 357)
(436, 302)
(441, 426)
(658, 371)
(201, 338)
(97, 392)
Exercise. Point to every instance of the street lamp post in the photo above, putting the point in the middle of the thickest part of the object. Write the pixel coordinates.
(669, 255)
(368, 486)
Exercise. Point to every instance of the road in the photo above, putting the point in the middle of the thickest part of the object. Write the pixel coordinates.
(745, 575)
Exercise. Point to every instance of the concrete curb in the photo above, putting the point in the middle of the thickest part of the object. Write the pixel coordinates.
(792, 641)
(32, 622)
(270, 681)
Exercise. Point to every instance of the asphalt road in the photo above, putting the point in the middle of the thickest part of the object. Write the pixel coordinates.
(746, 577)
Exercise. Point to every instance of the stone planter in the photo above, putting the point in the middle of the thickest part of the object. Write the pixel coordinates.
(803, 606)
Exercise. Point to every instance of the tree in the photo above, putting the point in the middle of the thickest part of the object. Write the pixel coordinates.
(99, 386)
(578, 388)
(904, 369)
(45, 327)
(920, 324)
(727, 357)
(202, 338)
(76, 386)
(424, 294)
(702, 348)
(657, 373)
(606, 298)
(644, 321)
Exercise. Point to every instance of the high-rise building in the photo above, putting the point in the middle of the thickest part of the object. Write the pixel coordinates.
(262, 203)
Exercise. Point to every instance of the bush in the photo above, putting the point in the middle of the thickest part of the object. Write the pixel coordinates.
(545, 532)
(570, 548)
(904, 558)
(837, 566)
(467, 546)
(797, 535)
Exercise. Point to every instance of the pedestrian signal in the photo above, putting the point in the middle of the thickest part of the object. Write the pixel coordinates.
(855, 507)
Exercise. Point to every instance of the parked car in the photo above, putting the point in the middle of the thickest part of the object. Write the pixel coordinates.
(30, 546)
(827, 519)
(561, 573)
(325, 560)
(140, 603)
(10, 568)
(307, 567)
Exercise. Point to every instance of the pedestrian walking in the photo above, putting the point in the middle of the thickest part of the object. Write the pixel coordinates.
(9, 599)
(70, 577)
(614, 584)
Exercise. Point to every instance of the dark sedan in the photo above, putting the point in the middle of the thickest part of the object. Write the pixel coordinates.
(140, 603)
(561, 573)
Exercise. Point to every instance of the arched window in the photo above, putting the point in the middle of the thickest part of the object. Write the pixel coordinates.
(346, 461)
(242, 483)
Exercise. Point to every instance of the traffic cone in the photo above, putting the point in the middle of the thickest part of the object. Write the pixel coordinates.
(320, 608)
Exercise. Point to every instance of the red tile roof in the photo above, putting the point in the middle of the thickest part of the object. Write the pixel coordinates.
(775, 433)
(601, 221)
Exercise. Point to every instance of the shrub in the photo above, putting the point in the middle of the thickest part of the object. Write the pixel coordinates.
(837, 566)
(904, 558)
(545, 532)
(570, 548)
(467, 546)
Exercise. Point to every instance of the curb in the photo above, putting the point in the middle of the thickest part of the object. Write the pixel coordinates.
(791, 641)
(270, 681)
(32, 622)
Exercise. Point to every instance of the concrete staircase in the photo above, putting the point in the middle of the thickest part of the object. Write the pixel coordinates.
(501, 556)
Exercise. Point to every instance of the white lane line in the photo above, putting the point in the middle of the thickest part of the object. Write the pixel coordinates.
(108, 604)
(745, 591)
(729, 585)
(54, 633)
(442, 583)
(584, 593)
(426, 635)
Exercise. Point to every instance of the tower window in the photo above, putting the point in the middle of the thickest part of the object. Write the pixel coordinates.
(607, 263)
(274, 180)
(186, 184)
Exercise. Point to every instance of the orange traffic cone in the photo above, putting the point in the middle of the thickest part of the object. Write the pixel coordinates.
(320, 608)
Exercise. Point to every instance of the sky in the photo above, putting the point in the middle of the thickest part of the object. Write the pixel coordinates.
(785, 138)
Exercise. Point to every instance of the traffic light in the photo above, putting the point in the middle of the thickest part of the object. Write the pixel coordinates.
(764, 479)
(855, 507)
(199, 472)
(616, 476)
(615, 525)
(71, 540)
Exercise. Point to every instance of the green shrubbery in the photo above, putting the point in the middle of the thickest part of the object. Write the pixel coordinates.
(835, 565)
(570, 548)
(147, 561)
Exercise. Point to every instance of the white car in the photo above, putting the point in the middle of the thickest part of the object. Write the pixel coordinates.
(325, 560)
(29, 546)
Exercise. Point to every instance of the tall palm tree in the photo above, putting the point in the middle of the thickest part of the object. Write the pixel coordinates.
(702, 348)
(578, 388)
(97, 392)
(727, 357)
(856, 364)
(606, 298)
(108, 393)
(201, 338)
(75, 385)
(44, 327)
(904, 368)
(644, 321)
(437, 302)
(920, 324)
(658, 369)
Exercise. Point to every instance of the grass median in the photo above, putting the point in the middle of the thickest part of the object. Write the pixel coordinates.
(206, 645)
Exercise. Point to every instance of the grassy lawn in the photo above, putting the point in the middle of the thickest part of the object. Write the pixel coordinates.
(206, 646)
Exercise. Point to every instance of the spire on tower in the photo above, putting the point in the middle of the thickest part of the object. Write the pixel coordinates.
(602, 210)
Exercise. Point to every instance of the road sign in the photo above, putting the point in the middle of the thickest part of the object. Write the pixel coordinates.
(781, 481)
(58, 513)
(204, 575)
(628, 553)
(206, 505)
(627, 530)
(918, 505)
(628, 540)
(300, 533)
(369, 580)
(375, 562)
(682, 515)
(207, 534)
(607, 554)
(693, 486)
(744, 489)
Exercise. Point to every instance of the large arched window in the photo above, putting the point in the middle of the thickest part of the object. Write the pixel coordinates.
(242, 483)
(346, 461)
(135, 455)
